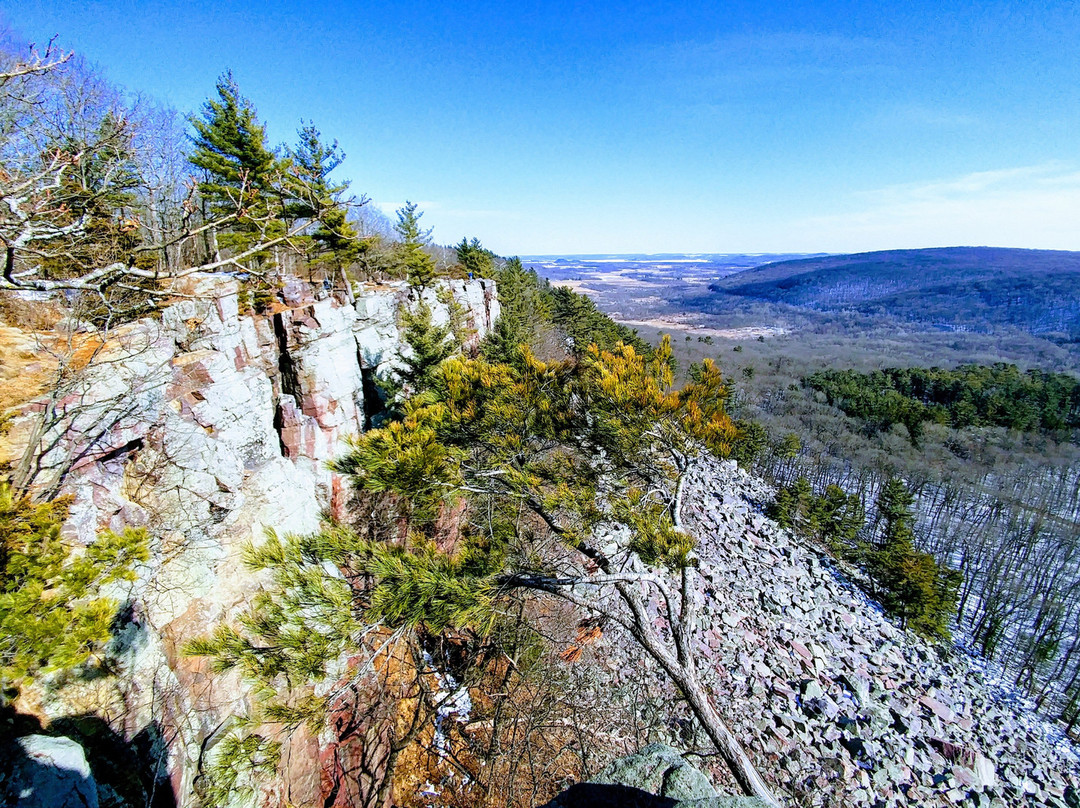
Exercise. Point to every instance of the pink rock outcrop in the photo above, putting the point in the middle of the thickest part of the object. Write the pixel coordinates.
(209, 426)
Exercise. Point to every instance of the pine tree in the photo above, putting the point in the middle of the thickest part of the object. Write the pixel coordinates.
(891, 559)
(912, 586)
(315, 196)
(52, 615)
(523, 309)
(427, 346)
(528, 435)
(513, 449)
(100, 209)
(414, 258)
(843, 516)
(584, 324)
(334, 242)
(833, 519)
(240, 171)
(312, 162)
(474, 259)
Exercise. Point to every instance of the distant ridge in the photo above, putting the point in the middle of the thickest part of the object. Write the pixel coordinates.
(952, 288)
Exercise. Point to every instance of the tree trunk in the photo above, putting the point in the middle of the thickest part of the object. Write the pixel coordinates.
(348, 286)
(685, 678)
(730, 749)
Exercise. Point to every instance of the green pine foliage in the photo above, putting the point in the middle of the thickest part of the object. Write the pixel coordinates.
(753, 441)
(524, 313)
(311, 162)
(236, 765)
(99, 181)
(457, 318)
(501, 436)
(552, 321)
(262, 198)
(971, 395)
(407, 461)
(428, 345)
(298, 628)
(833, 519)
(654, 537)
(315, 196)
(52, 613)
(418, 265)
(910, 584)
(99, 190)
(584, 324)
(71, 164)
(239, 170)
(474, 259)
(424, 589)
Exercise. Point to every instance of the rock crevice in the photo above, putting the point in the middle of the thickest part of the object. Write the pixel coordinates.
(209, 426)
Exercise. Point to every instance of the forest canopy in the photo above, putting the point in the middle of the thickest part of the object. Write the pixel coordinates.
(970, 395)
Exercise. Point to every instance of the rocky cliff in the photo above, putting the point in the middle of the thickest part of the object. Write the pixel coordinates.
(208, 426)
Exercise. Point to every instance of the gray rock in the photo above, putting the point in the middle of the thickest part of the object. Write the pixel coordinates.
(858, 685)
(656, 776)
(660, 770)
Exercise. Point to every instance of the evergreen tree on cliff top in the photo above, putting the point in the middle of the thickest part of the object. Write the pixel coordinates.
(413, 255)
(240, 170)
(316, 195)
(97, 185)
(474, 258)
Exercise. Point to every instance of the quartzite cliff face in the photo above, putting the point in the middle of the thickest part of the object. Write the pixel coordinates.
(209, 426)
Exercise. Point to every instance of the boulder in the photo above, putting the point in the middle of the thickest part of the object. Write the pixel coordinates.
(656, 776)
(660, 770)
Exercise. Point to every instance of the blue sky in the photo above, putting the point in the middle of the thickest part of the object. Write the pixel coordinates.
(563, 127)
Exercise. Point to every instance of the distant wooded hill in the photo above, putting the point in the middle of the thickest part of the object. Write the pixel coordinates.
(953, 288)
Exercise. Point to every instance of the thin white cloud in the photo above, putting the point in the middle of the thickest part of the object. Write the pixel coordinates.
(1070, 178)
(769, 58)
(976, 182)
(1027, 206)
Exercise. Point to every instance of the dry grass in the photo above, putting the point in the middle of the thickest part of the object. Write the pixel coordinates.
(30, 364)
(26, 367)
(31, 315)
(29, 361)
